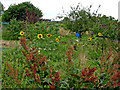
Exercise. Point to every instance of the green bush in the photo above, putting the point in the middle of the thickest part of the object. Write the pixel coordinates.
(12, 31)
(79, 20)
(108, 26)
(19, 12)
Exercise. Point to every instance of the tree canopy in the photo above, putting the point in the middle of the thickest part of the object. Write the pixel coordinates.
(21, 12)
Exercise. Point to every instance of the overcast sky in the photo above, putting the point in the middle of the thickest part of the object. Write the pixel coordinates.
(51, 8)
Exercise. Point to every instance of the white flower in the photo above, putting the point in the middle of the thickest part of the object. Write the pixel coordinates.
(50, 41)
(77, 41)
(39, 51)
(40, 48)
(49, 49)
(53, 49)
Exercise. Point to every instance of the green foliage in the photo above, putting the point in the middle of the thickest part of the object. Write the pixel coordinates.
(19, 12)
(79, 20)
(32, 30)
(0, 19)
(13, 30)
(46, 45)
(16, 60)
(1, 8)
(70, 71)
(108, 26)
(68, 62)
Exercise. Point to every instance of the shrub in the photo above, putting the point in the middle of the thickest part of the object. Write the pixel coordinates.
(108, 26)
(79, 20)
(19, 12)
(13, 30)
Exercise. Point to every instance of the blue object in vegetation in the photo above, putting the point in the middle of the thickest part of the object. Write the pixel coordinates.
(5, 23)
(77, 34)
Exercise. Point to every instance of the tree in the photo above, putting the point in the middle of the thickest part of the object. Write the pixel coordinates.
(1, 8)
(80, 20)
(21, 12)
(65, 19)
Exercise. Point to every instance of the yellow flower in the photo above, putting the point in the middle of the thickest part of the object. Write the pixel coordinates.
(21, 33)
(77, 44)
(58, 36)
(99, 34)
(89, 39)
(48, 35)
(57, 40)
(39, 36)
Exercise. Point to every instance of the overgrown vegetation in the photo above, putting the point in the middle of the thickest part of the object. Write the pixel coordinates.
(48, 59)
(81, 20)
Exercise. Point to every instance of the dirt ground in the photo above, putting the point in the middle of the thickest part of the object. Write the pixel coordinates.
(8, 44)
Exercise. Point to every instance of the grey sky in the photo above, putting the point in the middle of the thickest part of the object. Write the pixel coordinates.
(51, 8)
